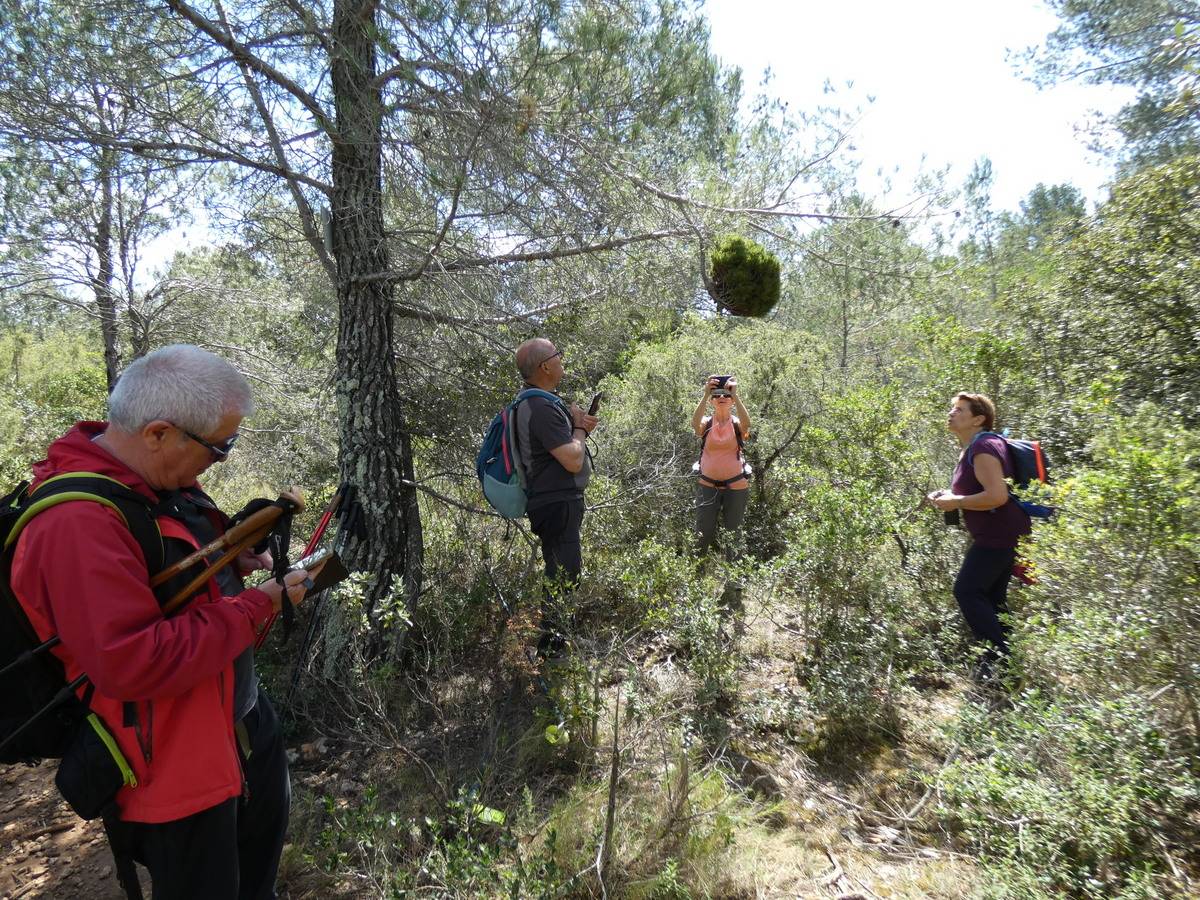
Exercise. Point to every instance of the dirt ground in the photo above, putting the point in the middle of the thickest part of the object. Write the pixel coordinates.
(48, 850)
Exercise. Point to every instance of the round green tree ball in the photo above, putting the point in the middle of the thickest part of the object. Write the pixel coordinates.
(745, 277)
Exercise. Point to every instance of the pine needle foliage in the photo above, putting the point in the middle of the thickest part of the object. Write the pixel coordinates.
(745, 277)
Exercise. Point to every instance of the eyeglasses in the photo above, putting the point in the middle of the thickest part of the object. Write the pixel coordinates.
(558, 353)
(219, 451)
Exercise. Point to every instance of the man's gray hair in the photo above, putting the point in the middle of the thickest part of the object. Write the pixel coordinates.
(184, 385)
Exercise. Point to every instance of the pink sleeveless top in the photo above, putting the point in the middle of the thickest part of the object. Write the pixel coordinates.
(719, 460)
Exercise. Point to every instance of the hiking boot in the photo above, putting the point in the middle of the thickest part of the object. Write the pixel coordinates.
(551, 645)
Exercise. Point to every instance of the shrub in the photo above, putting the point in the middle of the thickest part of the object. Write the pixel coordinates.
(1068, 795)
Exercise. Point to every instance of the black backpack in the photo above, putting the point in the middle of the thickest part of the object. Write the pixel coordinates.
(40, 713)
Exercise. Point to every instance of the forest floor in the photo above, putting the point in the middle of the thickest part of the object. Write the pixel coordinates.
(48, 850)
(856, 830)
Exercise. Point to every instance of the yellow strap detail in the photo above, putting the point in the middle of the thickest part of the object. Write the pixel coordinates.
(47, 502)
(111, 743)
(39, 505)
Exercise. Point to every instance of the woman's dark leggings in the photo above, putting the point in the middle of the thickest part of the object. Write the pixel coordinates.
(981, 590)
(713, 503)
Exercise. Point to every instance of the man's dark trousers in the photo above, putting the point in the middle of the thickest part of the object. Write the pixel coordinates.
(557, 525)
(232, 849)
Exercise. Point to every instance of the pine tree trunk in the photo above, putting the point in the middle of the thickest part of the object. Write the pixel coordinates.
(102, 281)
(376, 449)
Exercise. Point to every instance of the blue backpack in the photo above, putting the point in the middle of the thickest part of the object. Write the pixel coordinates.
(498, 464)
(1029, 464)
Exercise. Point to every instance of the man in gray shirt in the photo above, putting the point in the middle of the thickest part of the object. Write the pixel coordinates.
(552, 441)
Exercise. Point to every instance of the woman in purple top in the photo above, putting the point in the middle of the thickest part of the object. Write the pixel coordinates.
(994, 520)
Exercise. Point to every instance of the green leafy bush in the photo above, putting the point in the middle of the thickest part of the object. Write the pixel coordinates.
(49, 383)
(1116, 611)
(1066, 796)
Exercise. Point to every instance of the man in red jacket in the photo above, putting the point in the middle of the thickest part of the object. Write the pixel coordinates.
(208, 812)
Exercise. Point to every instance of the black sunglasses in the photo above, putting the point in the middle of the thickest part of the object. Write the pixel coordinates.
(551, 356)
(221, 450)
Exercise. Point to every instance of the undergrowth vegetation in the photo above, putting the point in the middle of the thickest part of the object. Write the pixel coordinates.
(818, 684)
(798, 721)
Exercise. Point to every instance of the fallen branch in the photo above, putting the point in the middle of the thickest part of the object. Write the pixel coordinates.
(837, 874)
(35, 833)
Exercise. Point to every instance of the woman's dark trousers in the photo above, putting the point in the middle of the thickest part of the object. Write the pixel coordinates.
(981, 590)
(727, 506)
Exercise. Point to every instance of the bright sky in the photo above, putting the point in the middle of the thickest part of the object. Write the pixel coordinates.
(943, 86)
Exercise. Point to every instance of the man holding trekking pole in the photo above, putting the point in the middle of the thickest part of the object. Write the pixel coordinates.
(205, 803)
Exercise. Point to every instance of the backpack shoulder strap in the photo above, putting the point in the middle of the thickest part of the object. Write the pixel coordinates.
(528, 392)
(135, 510)
(519, 461)
(737, 433)
(970, 454)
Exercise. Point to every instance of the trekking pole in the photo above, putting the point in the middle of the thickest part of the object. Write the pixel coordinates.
(348, 511)
(258, 524)
(245, 534)
(29, 655)
(248, 540)
(64, 694)
(318, 533)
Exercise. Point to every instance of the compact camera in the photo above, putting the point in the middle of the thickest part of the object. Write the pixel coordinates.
(721, 379)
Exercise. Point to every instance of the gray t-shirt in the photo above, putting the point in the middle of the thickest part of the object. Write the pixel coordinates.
(543, 425)
(191, 510)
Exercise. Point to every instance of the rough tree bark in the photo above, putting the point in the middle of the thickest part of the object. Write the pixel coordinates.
(106, 303)
(376, 449)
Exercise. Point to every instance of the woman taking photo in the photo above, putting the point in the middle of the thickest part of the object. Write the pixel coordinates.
(993, 519)
(723, 483)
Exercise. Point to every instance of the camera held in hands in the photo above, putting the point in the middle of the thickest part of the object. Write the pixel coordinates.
(721, 380)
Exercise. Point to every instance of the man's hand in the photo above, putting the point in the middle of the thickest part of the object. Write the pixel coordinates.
(582, 419)
(248, 561)
(295, 494)
(297, 584)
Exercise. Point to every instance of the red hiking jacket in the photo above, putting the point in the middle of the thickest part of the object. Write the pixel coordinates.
(79, 573)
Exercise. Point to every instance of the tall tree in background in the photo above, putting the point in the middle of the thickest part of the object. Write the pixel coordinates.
(89, 209)
(1151, 45)
(857, 272)
(1129, 290)
(418, 143)
(1048, 212)
(982, 220)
